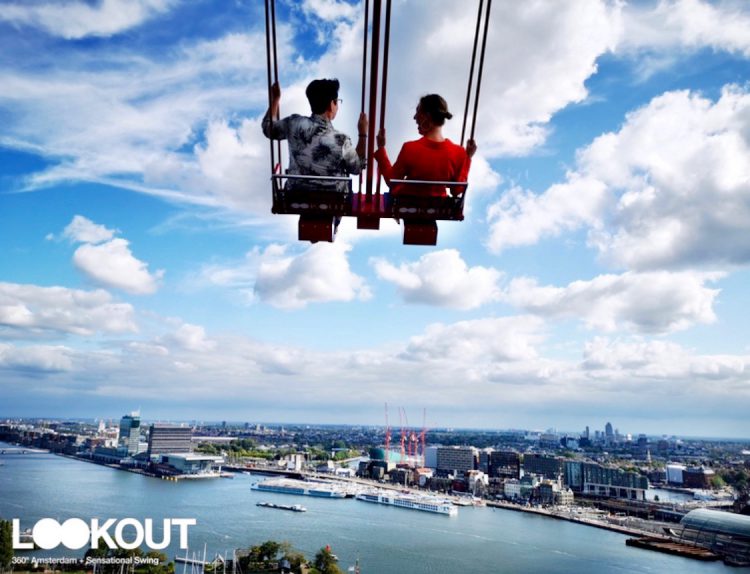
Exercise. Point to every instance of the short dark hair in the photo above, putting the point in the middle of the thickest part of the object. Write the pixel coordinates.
(320, 93)
(435, 107)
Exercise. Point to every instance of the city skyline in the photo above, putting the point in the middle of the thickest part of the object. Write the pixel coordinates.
(602, 266)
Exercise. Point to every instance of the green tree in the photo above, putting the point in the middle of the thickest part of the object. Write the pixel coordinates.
(6, 544)
(325, 563)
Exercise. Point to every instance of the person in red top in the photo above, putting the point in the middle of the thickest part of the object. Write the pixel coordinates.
(431, 158)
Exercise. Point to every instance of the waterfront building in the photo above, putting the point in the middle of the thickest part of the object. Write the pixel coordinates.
(512, 489)
(674, 474)
(505, 463)
(172, 439)
(456, 459)
(130, 433)
(544, 465)
(564, 497)
(721, 532)
(573, 475)
(613, 482)
(189, 464)
(697, 477)
(430, 456)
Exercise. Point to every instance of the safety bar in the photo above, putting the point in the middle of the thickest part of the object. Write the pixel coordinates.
(315, 177)
(426, 182)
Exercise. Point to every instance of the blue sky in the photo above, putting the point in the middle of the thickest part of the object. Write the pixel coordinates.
(600, 275)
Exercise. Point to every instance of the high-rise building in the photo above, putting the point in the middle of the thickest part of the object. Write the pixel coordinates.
(456, 458)
(130, 432)
(543, 465)
(505, 463)
(169, 439)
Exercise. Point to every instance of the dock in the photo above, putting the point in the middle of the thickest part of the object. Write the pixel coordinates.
(671, 547)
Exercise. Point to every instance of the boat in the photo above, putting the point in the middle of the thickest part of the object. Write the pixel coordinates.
(410, 501)
(301, 487)
(292, 507)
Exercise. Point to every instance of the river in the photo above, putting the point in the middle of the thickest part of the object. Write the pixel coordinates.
(386, 540)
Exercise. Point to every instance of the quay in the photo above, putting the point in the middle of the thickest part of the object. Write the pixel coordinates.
(675, 548)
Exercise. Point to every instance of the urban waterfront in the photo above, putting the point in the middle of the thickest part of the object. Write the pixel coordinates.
(386, 540)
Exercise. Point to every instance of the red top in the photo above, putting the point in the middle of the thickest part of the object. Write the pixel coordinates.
(427, 160)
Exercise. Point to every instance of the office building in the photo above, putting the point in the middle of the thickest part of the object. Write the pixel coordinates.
(173, 439)
(130, 433)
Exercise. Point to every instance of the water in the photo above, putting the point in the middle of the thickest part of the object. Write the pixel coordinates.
(386, 540)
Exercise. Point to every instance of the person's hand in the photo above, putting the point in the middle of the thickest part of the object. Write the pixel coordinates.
(471, 148)
(275, 92)
(362, 124)
(381, 138)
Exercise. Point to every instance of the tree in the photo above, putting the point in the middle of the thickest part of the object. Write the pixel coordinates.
(325, 563)
(6, 545)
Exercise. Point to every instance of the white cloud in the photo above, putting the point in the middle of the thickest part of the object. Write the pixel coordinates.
(83, 230)
(192, 338)
(654, 302)
(647, 360)
(522, 218)
(29, 310)
(681, 169)
(108, 260)
(318, 275)
(671, 188)
(330, 10)
(112, 264)
(75, 19)
(441, 278)
(468, 343)
(688, 24)
(37, 359)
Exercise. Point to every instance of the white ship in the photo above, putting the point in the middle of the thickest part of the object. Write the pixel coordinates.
(411, 501)
(302, 487)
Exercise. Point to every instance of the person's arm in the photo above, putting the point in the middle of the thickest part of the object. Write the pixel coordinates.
(362, 125)
(463, 174)
(274, 129)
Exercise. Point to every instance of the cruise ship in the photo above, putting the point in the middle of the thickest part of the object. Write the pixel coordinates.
(411, 501)
(301, 487)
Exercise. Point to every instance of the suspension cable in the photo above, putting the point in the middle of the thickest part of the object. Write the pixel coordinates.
(275, 66)
(268, 70)
(364, 71)
(481, 67)
(376, 10)
(471, 70)
(384, 87)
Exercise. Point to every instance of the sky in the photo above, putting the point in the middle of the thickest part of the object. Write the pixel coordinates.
(600, 274)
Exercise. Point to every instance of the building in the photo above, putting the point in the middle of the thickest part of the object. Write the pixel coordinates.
(189, 464)
(613, 482)
(130, 433)
(699, 477)
(456, 459)
(505, 463)
(573, 475)
(172, 439)
(724, 533)
(544, 465)
(674, 474)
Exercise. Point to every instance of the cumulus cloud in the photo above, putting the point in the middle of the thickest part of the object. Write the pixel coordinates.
(652, 302)
(503, 339)
(687, 24)
(441, 278)
(521, 217)
(29, 310)
(83, 230)
(191, 338)
(108, 260)
(318, 275)
(73, 20)
(38, 359)
(671, 188)
(659, 360)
